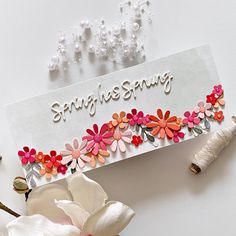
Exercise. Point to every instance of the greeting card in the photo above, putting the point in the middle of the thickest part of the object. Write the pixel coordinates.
(117, 116)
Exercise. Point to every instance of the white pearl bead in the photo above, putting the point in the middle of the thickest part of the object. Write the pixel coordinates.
(62, 39)
(91, 49)
(135, 26)
(77, 48)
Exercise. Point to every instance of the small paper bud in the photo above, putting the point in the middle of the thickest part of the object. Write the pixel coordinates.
(20, 185)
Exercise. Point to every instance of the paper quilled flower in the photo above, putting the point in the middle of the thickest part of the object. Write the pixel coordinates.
(136, 140)
(135, 117)
(211, 98)
(219, 116)
(164, 125)
(220, 101)
(100, 157)
(40, 157)
(48, 172)
(218, 90)
(203, 109)
(62, 169)
(27, 155)
(119, 120)
(191, 119)
(98, 139)
(74, 155)
(177, 136)
(119, 139)
(52, 160)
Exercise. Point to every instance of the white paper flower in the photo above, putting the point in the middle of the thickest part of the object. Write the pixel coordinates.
(84, 204)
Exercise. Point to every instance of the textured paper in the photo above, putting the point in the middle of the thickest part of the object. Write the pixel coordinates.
(194, 75)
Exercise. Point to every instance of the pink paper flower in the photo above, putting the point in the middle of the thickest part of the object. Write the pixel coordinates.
(27, 155)
(135, 117)
(74, 155)
(178, 135)
(98, 139)
(203, 109)
(120, 137)
(218, 90)
(191, 119)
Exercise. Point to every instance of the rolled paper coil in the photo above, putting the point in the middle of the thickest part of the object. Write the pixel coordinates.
(214, 146)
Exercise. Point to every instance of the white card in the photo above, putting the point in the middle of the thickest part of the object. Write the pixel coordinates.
(175, 83)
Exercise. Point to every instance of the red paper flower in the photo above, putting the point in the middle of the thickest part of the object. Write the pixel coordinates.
(27, 155)
(219, 116)
(137, 140)
(53, 160)
(98, 139)
(62, 169)
(211, 99)
(135, 117)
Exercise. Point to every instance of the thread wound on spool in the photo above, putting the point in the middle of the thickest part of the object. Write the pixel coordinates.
(212, 149)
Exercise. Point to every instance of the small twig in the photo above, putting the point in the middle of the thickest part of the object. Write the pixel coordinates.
(8, 210)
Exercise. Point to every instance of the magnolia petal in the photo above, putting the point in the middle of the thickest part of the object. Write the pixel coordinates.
(45, 204)
(86, 192)
(38, 225)
(77, 214)
(122, 145)
(110, 220)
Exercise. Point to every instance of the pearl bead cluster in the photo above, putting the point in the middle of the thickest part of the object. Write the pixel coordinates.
(118, 43)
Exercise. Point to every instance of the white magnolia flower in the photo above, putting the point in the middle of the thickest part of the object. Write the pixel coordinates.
(80, 208)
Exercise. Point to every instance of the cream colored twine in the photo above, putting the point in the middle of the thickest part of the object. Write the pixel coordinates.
(214, 146)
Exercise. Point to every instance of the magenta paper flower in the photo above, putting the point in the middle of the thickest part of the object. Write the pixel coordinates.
(98, 139)
(135, 117)
(75, 154)
(178, 135)
(203, 109)
(27, 155)
(120, 137)
(218, 90)
(146, 119)
(191, 119)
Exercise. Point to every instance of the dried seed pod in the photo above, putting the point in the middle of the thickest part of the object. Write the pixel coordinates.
(20, 185)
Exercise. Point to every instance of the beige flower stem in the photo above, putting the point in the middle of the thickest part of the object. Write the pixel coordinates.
(8, 210)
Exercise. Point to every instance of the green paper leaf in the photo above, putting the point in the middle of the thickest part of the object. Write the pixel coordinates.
(198, 129)
(137, 128)
(150, 137)
(207, 124)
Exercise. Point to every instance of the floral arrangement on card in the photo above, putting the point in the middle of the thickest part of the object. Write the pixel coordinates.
(132, 128)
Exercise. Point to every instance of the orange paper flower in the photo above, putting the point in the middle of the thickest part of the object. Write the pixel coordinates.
(219, 116)
(119, 119)
(100, 157)
(163, 125)
(48, 172)
(40, 157)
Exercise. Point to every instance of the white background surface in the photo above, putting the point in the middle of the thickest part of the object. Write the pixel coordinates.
(167, 198)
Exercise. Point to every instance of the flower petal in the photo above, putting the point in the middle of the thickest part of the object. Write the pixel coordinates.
(114, 146)
(76, 213)
(110, 220)
(160, 113)
(103, 129)
(45, 205)
(89, 195)
(201, 104)
(66, 159)
(68, 147)
(38, 225)
(76, 143)
(121, 145)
